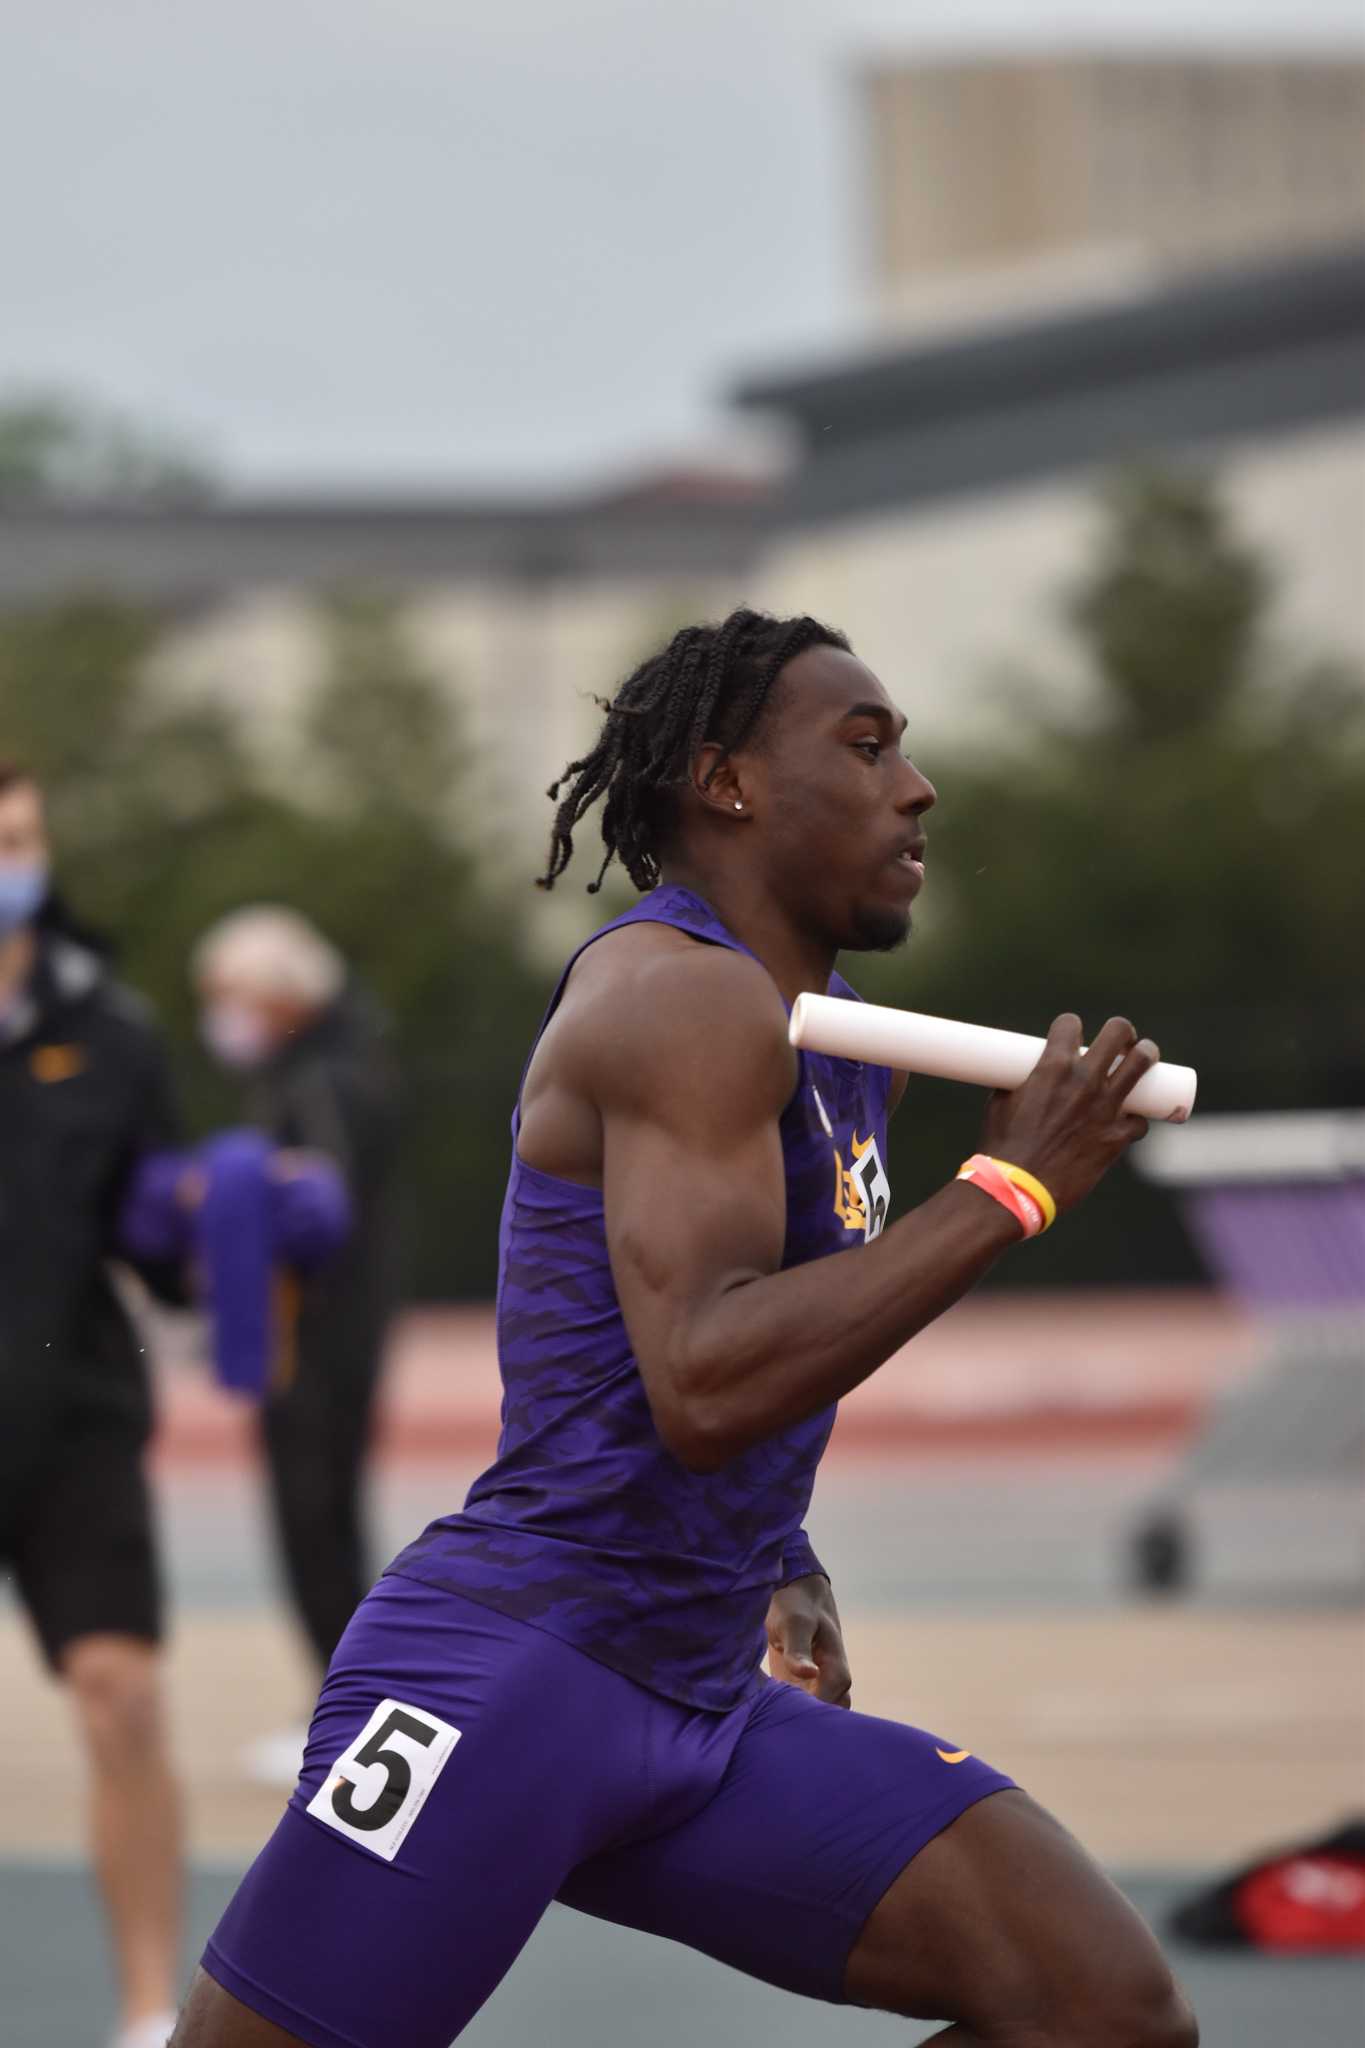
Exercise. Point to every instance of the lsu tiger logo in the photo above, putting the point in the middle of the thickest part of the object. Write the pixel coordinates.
(862, 1192)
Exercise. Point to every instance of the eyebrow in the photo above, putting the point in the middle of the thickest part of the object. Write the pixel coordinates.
(882, 712)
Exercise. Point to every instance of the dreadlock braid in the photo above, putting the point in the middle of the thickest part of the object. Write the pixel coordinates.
(710, 683)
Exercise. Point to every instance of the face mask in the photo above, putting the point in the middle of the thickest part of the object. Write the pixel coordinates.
(22, 889)
(236, 1035)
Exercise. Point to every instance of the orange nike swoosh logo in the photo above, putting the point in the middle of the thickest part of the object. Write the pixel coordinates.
(954, 1756)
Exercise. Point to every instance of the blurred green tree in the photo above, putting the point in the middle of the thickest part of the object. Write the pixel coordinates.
(61, 449)
(1186, 849)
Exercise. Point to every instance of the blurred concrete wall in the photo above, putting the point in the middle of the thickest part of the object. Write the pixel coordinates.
(1025, 179)
(946, 601)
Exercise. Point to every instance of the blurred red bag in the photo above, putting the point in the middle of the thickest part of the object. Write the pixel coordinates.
(1302, 1901)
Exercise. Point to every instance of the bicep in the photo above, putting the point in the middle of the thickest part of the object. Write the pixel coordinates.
(688, 1216)
(693, 1185)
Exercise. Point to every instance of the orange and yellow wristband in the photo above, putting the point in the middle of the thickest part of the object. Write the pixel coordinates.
(1017, 1190)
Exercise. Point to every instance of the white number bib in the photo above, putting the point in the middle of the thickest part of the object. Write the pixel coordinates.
(378, 1786)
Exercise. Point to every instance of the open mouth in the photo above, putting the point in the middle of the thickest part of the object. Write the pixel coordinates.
(912, 857)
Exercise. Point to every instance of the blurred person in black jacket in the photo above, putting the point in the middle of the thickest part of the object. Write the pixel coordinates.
(318, 1075)
(84, 1093)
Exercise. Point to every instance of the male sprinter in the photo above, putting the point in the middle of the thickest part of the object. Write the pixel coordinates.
(556, 1693)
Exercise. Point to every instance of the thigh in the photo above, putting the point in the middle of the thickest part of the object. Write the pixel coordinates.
(818, 1812)
(84, 1555)
(455, 1770)
(1003, 1922)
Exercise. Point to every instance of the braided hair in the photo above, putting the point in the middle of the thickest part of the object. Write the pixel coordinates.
(709, 683)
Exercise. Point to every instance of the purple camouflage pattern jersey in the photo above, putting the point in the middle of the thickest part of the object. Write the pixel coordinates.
(586, 1525)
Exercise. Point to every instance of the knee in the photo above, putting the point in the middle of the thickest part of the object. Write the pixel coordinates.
(1174, 2024)
(1184, 2025)
(1150, 2013)
(117, 1692)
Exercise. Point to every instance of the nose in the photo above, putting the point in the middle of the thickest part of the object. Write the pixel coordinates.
(917, 793)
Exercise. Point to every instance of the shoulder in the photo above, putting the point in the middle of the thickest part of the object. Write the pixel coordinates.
(130, 1010)
(81, 982)
(650, 1013)
(352, 1048)
(647, 981)
(131, 1015)
(358, 1024)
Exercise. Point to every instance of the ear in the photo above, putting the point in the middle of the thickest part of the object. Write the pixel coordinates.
(718, 780)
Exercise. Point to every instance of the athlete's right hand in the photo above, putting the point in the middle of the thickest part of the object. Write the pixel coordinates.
(1066, 1123)
(806, 1641)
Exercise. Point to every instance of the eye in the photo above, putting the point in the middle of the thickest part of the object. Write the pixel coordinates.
(872, 748)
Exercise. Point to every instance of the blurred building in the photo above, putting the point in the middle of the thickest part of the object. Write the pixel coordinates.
(1107, 262)
(998, 184)
(940, 499)
(528, 608)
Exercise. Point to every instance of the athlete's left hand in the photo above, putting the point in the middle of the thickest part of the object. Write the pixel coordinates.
(806, 1643)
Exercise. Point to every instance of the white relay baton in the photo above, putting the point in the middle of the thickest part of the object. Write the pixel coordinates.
(916, 1044)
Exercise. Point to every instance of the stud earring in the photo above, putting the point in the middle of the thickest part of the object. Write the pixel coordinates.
(739, 807)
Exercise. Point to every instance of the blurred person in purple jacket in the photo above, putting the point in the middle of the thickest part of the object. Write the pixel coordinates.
(84, 1096)
(318, 1078)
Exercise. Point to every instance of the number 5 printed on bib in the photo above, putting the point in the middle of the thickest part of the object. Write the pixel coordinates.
(377, 1787)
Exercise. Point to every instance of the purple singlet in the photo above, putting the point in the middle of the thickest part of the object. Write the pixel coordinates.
(586, 1525)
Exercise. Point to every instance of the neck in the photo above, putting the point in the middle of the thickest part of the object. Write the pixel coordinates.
(18, 950)
(746, 907)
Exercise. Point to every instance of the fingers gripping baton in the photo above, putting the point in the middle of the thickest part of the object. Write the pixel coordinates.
(916, 1044)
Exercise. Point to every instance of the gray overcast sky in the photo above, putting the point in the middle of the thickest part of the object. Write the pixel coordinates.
(414, 241)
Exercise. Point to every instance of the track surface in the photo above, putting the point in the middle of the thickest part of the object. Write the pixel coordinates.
(975, 1523)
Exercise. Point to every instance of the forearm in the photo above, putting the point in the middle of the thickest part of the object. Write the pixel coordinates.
(772, 1350)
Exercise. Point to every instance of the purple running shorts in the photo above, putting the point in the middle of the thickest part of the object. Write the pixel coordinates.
(464, 1769)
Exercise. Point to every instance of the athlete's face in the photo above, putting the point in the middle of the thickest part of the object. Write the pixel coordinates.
(842, 807)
